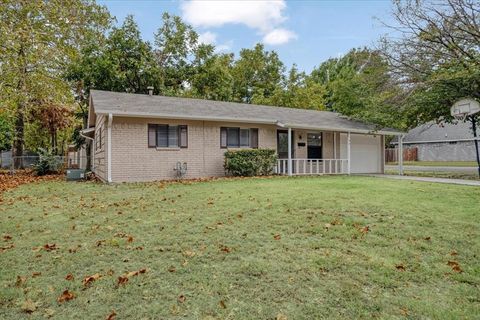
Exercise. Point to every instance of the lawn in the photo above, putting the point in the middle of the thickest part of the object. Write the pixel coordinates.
(437, 163)
(272, 248)
(437, 174)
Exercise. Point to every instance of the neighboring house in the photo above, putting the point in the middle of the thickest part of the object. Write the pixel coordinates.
(143, 137)
(441, 142)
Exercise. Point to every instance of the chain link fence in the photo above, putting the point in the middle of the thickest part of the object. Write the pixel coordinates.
(60, 163)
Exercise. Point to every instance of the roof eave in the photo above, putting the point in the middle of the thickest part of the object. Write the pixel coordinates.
(242, 120)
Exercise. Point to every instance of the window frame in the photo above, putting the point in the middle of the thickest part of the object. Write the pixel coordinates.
(225, 130)
(180, 143)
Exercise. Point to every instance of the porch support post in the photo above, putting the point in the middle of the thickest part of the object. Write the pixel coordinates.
(289, 151)
(349, 153)
(400, 155)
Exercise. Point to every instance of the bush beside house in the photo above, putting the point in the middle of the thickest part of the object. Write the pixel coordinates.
(250, 162)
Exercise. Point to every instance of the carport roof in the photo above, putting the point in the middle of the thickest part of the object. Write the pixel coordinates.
(147, 106)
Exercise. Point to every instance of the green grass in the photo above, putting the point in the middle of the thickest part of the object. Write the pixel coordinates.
(437, 163)
(320, 266)
(437, 174)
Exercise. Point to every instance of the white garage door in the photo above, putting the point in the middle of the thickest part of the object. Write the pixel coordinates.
(366, 154)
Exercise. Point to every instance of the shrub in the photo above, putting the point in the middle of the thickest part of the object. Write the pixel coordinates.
(46, 164)
(250, 162)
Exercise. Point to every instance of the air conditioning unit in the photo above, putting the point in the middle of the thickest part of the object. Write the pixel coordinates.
(75, 174)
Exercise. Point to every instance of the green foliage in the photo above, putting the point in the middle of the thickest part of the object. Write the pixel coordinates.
(360, 85)
(250, 162)
(6, 130)
(175, 44)
(47, 163)
(257, 74)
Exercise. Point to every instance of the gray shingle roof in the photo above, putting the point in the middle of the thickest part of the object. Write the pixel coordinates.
(432, 131)
(143, 105)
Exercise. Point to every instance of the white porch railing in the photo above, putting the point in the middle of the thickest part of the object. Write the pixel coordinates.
(312, 166)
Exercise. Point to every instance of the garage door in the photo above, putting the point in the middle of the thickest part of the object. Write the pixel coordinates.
(366, 154)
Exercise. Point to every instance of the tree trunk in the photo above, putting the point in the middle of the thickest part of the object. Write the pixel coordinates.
(18, 140)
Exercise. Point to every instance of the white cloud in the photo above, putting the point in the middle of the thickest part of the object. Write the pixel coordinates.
(207, 38)
(279, 36)
(264, 16)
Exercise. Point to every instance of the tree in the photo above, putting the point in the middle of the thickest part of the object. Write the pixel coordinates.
(53, 117)
(212, 75)
(37, 40)
(297, 91)
(175, 45)
(257, 74)
(360, 86)
(435, 55)
(6, 130)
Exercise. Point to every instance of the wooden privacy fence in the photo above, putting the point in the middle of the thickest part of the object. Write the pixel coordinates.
(409, 154)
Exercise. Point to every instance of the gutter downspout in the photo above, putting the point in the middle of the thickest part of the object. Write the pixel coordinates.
(349, 157)
(93, 153)
(109, 150)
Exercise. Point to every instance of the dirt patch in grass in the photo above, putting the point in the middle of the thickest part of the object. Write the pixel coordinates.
(10, 181)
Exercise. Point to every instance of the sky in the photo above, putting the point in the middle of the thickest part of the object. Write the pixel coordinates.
(304, 32)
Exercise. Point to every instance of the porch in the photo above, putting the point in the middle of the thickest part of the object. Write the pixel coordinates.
(334, 152)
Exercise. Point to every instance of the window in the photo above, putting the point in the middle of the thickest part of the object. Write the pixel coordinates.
(166, 136)
(314, 145)
(238, 137)
(98, 141)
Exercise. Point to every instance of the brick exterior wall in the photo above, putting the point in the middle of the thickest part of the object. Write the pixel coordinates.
(133, 160)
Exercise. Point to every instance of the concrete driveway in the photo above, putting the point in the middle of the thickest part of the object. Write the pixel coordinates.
(472, 170)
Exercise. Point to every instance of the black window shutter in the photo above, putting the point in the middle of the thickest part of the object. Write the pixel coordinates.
(152, 135)
(254, 138)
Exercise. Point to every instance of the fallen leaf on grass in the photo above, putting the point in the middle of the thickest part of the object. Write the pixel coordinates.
(172, 269)
(428, 238)
(281, 316)
(130, 239)
(124, 279)
(400, 267)
(20, 281)
(181, 298)
(29, 306)
(10, 246)
(66, 296)
(88, 280)
(453, 253)
(7, 237)
(188, 253)
(222, 304)
(36, 274)
(111, 316)
(455, 266)
(277, 237)
(225, 249)
(50, 247)
(328, 226)
(69, 277)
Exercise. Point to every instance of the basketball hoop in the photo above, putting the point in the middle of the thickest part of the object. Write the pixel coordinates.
(464, 108)
(460, 111)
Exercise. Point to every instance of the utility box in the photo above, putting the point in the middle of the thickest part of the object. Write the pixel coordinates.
(75, 174)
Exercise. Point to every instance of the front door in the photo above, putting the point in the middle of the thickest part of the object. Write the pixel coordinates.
(282, 144)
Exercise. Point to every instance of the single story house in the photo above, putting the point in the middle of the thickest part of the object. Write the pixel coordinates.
(441, 141)
(145, 137)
